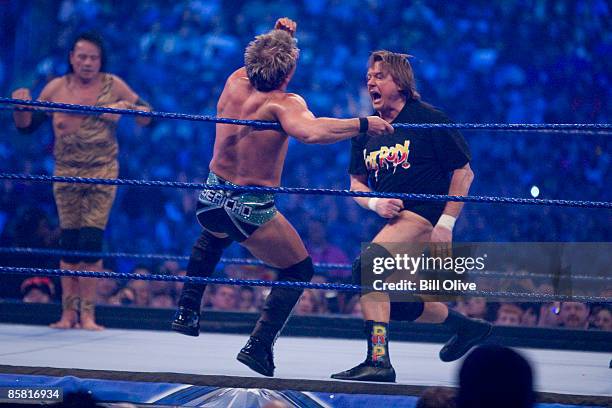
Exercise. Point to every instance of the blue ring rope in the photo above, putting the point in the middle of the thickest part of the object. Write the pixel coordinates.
(341, 287)
(55, 106)
(166, 257)
(274, 125)
(311, 191)
(257, 262)
(556, 131)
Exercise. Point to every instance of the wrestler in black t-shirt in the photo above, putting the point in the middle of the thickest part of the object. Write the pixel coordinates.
(425, 161)
(411, 160)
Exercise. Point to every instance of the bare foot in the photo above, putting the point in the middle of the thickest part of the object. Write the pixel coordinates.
(64, 323)
(90, 324)
(67, 321)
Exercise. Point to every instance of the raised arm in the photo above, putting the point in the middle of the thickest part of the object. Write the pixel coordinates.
(299, 122)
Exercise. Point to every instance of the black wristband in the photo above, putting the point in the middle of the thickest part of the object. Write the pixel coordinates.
(363, 125)
(38, 118)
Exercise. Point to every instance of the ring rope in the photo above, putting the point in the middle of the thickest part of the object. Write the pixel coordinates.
(600, 132)
(257, 262)
(55, 106)
(167, 257)
(343, 287)
(310, 191)
(563, 131)
(275, 125)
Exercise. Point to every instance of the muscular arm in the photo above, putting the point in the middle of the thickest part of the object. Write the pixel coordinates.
(292, 113)
(460, 186)
(299, 122)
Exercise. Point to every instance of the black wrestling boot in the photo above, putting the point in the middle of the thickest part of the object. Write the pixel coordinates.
(258, 356)
(186, 321)
(257, 353)
(367, 372)
(205, 254)
(468, 333)
(377, 365)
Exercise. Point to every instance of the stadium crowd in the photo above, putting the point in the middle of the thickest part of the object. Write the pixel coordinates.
(505, 63)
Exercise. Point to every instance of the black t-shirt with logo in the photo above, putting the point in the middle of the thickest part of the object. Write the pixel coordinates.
(412, 160)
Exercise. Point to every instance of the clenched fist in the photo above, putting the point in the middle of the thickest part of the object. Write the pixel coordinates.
(378, 126)
(387, 207)
(287, 25)
(22, 93)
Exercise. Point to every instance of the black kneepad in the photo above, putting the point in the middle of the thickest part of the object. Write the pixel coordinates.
(90, 240)
(69, 241)
(300, 272)
(363, 266)
(407, 311)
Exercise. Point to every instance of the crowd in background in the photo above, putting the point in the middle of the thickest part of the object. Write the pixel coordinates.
(534, 61)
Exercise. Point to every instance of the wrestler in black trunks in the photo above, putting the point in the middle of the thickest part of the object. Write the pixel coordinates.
(425, 161)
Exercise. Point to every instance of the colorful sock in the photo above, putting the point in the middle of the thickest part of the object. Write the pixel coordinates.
(378, 343)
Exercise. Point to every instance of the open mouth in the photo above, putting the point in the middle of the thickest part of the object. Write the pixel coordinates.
(376, 97)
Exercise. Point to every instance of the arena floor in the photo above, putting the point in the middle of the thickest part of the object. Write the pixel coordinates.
(562, 372)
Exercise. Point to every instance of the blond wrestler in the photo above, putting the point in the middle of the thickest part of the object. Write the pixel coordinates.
(247, 156)
(85, 146)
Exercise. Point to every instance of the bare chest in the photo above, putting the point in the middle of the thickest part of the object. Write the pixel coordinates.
(97, 94)
(83, 95)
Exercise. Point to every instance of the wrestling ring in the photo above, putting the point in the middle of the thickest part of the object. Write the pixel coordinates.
(151, 366)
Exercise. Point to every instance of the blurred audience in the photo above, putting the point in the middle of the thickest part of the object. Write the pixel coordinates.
(602, 318)
(223, 297)
(477, 63)
(248, 301)
(574, 315)
(509, 314)
(37, 290)
(310, 303)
